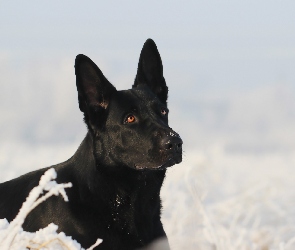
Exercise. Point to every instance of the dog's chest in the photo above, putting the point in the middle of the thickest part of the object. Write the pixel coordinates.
(132, 213)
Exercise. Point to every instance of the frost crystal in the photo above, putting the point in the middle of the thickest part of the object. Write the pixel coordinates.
(13, 237)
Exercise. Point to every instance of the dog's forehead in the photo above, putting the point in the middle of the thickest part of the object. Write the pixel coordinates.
(140, 96)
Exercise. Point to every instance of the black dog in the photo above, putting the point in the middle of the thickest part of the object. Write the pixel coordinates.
(118, 170)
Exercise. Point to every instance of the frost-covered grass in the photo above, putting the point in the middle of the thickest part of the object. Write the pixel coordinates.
(215, 199)
(227, 201)
(12, 236)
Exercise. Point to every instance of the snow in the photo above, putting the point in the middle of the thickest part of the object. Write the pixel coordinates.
(213, 200)
(219, 201)
(12, 236)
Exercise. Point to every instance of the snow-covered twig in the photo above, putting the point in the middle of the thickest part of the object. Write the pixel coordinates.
(12, 235)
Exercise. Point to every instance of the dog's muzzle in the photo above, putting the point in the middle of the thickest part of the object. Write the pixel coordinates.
(171, 147)
(172, 144)
(168, 151)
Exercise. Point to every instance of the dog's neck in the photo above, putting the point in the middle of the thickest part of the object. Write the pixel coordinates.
(127, 178)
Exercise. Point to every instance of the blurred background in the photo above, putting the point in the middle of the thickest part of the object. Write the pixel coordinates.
(230, 68)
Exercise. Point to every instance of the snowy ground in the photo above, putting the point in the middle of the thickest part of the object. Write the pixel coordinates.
(214, 200)
(220, 201)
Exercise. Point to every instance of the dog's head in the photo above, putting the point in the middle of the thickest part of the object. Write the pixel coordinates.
(129, 127)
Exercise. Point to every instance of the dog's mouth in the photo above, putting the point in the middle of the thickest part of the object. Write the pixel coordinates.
(169, 163)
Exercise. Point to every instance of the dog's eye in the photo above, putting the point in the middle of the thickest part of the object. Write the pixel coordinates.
(130, 119)
(164, 111)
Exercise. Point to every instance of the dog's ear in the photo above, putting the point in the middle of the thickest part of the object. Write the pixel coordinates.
(150, 71)
(94, 90)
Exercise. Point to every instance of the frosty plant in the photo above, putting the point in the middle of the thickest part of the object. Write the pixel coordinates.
(12, 235)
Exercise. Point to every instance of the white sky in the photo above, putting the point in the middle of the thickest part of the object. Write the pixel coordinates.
(216, 54)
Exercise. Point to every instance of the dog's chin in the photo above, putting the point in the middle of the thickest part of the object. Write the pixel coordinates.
(169, 163)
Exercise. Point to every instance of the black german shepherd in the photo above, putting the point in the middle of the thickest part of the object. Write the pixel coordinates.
(118, 170)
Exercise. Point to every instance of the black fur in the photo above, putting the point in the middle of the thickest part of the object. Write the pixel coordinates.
(118, 170)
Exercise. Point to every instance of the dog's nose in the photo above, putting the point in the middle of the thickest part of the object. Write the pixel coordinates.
(172, 143)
